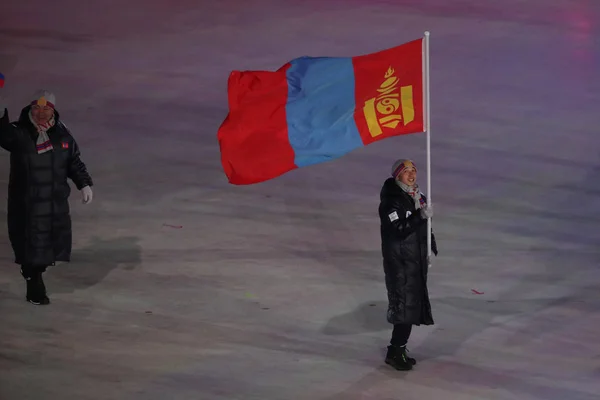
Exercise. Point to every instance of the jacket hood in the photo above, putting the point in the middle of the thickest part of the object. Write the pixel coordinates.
(390, 189)
(24, 116)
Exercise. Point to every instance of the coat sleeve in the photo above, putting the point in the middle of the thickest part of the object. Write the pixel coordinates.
(77, 170)
(9, 133)
(394, 213)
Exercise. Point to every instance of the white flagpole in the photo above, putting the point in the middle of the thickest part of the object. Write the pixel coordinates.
(428, 137)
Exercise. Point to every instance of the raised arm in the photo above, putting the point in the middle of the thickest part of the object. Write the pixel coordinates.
(8, 132)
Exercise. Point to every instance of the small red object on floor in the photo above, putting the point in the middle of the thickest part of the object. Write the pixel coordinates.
(173, 226)
(476, 292)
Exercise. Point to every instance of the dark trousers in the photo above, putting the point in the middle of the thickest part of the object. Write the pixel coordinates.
(29, 271)
(400, 334)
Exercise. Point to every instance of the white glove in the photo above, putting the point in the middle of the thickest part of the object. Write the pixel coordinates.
(86, 195)
(427, 212)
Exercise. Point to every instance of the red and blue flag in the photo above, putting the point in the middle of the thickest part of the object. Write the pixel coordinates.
(1, 80)
(316, 109)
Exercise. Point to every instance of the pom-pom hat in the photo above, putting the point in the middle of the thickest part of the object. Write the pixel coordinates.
(44, 98)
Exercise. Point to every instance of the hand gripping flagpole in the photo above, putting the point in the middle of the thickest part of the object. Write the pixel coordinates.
(428, 136)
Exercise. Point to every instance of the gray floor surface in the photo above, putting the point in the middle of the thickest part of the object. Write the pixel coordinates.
(185, 287)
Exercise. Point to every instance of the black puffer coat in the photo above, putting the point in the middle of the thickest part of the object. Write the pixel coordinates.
(404, 249)
(39, 222)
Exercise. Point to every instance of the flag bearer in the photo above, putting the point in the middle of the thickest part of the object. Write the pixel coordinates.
(403, 212)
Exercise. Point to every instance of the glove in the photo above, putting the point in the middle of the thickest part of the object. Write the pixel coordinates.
(427, 212)
(86, 195)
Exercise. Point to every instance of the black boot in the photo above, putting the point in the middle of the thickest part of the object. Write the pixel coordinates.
(410, 359)
(36, 290)
(396, 357)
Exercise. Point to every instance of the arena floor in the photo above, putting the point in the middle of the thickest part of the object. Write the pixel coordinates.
(183, 286)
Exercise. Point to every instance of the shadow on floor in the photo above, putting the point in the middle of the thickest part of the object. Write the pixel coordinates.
(92, 264)
(368, 317)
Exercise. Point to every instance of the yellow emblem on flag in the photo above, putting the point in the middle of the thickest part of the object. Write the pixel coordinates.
(382, 111)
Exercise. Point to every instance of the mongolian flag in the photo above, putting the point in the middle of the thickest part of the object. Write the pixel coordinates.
(1, 80)
(316, 109)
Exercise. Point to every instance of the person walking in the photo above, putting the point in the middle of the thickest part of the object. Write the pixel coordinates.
(43, 155)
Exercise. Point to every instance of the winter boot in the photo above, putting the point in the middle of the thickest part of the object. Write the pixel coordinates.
(396, 357)
(410, 359)
(36, 290)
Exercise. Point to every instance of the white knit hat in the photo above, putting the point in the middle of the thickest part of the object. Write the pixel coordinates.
(44, 97)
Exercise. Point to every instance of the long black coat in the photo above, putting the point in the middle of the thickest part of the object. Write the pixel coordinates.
(39, 222)
(404, 250)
